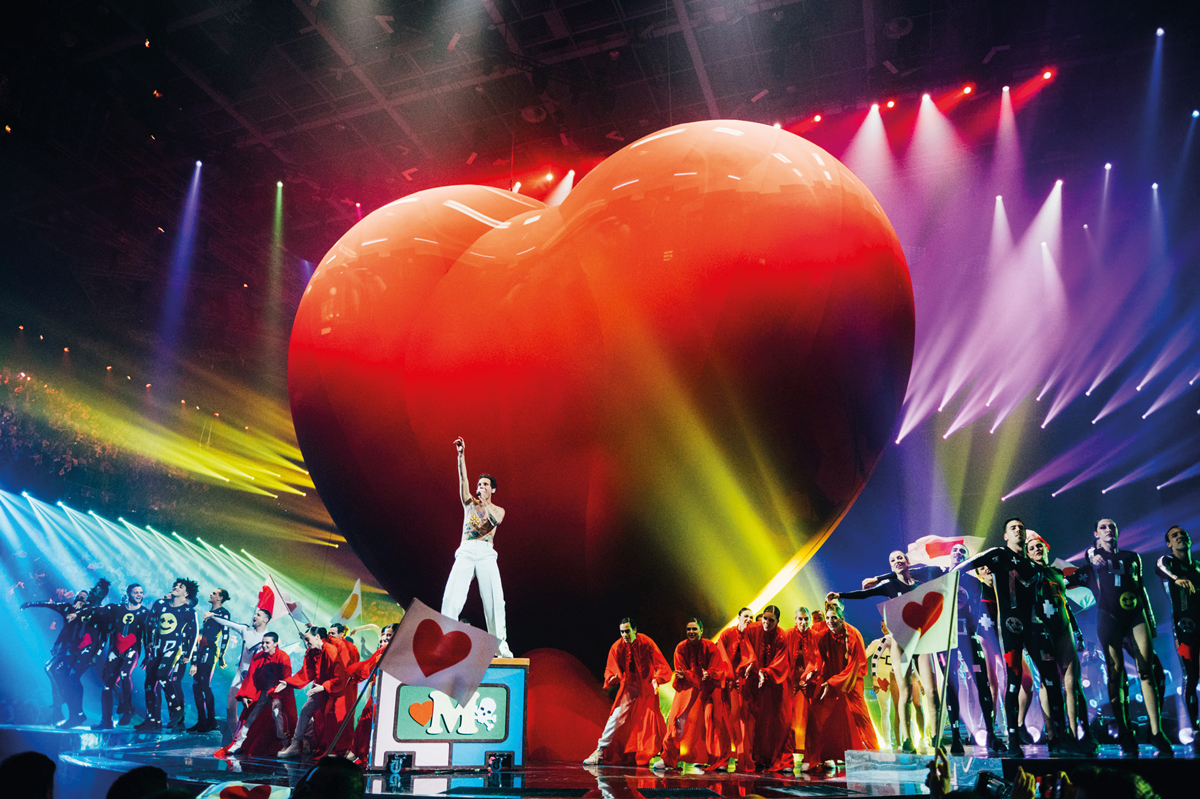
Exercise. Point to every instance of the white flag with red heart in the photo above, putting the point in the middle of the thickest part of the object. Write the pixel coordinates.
(435, 651)
(924, 621)
(277, 602)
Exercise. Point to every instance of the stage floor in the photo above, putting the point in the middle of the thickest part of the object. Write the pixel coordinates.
(88, 762)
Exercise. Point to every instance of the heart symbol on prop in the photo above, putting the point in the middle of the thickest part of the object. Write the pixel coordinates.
(125, 641)
(245, 792)
(922, 616)
(701, 353)
(421, 712)
(435, 650)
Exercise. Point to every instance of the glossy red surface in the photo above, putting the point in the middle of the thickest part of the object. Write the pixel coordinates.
(685, 371)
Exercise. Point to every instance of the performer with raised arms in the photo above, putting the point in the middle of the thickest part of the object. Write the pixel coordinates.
(476, 555)
(252, 635)
(1181, 576)
(903, 579)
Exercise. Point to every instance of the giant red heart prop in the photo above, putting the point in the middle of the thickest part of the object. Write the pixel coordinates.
(435, 650)
(921, 616)
(680, 377)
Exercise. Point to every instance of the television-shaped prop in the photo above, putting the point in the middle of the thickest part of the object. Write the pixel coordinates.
(417, 728)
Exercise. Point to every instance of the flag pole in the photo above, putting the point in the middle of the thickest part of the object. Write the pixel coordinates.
(353, 708)
(941, 712)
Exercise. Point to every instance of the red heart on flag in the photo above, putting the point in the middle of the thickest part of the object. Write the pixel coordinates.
(244, 792)
(421, 712)
(921, 617)
(266, 599)
(435, 650)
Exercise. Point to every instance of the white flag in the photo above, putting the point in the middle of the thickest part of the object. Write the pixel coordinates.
(350, 613)
(435, 651)
(934, 550)
(924, 621)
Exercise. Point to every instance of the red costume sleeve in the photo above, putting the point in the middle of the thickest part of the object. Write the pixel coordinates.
(718, 664)
(363, 668)
(333, 669)
(660, 670)
(248, 690)
(613, 672)
(683, 680)
(308, 673)
(850, 678)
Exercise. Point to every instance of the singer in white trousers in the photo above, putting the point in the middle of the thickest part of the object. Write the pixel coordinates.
(477, 560)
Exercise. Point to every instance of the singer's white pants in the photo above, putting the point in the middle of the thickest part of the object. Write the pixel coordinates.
(477, 560)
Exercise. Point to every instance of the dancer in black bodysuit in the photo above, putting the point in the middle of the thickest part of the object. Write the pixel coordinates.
(171, 643)
(1062, 637)
(1181, 577)
(1123, 611)
(902, 579)
(61, 651)
(1015, 579)
(126, 633)
(83, 653)
(969, 653)
(210, 652)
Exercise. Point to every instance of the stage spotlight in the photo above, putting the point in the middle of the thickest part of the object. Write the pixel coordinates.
(777, 126)
(1160, 31)
(1154, 186)
(549, 176)
(1058, 182)
(891, 103)
(1047, 75)
(1085, 227)
(925, 96)
(516, 189)
(817, 117)
(197, 163)
(966, 89)
(1005, 88)
(279, 184)
(874, 106)
(1195, 113)
(1108, 166)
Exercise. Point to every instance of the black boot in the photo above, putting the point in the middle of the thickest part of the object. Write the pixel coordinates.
(956, 742)
(1163, 745)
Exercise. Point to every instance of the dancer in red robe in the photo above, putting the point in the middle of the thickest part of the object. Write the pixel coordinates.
(736, 649)
(767, 691)
(268, 712)
(635, 730)
(838, 719)
(364, 670)
(696, 728)
(324, 667)
(803, 653)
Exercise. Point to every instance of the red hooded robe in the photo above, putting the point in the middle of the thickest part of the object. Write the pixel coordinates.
(640, 664)
(697, 731)
(838, 719)
(737, 653)
(264, 674)
(770, 705)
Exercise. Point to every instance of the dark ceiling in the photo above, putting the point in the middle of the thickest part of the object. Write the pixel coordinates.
(108, 104)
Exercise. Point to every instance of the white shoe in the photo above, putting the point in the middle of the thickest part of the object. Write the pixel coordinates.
(595, 758)
(658, 765)
(504, 651)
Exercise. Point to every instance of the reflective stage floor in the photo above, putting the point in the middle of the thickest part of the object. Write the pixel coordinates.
(89, 762)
